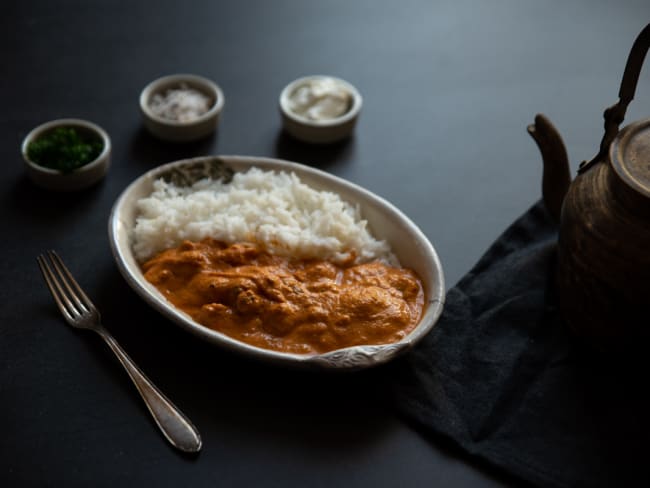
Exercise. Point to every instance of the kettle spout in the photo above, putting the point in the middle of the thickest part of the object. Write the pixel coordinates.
(556, 177)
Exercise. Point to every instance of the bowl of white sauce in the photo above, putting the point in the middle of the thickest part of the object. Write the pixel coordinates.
(181, 107)
(320, 109)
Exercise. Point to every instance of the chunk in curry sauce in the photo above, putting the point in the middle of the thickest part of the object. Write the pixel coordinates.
(296, 306)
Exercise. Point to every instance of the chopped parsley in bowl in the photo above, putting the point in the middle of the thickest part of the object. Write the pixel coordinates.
(66, 154)
(65, 149)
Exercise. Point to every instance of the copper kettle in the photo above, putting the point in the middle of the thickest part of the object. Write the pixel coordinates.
(603, 255)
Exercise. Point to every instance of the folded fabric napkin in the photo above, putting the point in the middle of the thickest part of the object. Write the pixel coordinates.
(502, 377)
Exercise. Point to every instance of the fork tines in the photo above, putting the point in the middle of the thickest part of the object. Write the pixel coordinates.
(68, 295)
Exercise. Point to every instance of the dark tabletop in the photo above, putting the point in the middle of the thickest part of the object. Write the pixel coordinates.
(448, 87)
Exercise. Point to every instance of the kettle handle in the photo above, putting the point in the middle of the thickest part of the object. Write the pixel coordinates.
(615, 114)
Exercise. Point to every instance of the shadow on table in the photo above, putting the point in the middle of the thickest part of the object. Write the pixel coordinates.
(43, 206)
(149, 151)
(322, 156)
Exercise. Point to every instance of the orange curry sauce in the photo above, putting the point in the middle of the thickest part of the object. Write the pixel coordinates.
(297, 306)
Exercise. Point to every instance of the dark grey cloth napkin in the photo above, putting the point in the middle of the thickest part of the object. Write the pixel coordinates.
(501, 376)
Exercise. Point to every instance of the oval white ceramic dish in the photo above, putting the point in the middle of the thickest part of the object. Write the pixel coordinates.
(323, 131)
(385, 221)
(177, 131)
(82, 177)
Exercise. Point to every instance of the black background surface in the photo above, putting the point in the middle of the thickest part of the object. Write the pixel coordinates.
(448, 89)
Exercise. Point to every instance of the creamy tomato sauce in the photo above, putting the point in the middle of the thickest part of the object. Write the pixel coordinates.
(306, 306)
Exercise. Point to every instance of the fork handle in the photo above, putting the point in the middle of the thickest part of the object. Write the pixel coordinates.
(176, 427)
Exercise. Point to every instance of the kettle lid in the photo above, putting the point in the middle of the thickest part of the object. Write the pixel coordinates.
(630, 156)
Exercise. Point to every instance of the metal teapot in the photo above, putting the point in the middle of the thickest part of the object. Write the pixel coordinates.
(603, 255)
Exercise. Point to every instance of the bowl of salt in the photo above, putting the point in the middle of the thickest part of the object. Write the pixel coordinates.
(181, 107)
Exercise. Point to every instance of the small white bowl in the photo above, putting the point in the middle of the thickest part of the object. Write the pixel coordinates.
(176, 131)
(323, 131)
(80, 178)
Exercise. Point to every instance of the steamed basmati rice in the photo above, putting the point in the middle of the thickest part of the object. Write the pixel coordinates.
(272, 209)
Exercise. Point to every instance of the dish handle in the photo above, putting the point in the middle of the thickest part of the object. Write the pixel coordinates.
(359, 357)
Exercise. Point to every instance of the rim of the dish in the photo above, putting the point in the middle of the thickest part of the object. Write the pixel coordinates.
(337, 359)
(352, 112)
(36, 132)
(207, 86)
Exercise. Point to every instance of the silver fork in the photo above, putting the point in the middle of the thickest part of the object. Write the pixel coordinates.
(79, 311)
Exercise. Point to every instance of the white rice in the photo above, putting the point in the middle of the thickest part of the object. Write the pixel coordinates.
(273, 209)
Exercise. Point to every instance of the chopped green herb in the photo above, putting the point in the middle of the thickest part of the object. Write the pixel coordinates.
(64, 149)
